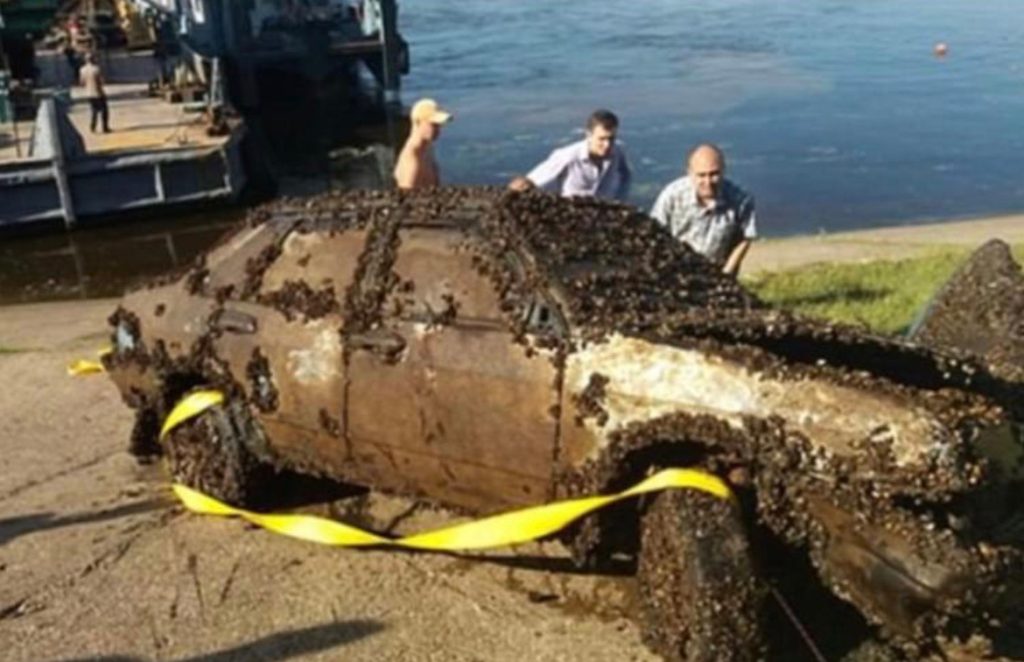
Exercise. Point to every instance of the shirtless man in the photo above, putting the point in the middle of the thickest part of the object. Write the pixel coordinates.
(417, 167)
(92, 80)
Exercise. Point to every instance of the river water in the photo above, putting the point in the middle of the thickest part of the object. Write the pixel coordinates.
(835, 114)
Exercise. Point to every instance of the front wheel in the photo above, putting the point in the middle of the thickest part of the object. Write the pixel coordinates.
(208, 453)
(700, 596)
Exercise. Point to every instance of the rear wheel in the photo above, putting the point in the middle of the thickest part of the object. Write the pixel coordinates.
(700, 596)
(208, 453)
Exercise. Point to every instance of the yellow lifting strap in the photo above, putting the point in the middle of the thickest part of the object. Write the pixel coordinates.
(501, 530)
(190, 406)
(82, 367)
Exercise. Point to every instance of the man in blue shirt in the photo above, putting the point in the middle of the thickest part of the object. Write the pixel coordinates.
(595, 166)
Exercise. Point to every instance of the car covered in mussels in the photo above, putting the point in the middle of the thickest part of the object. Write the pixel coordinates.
(488, 350)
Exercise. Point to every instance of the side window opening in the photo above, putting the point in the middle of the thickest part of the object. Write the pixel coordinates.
(543, 318)
(228, 265)
(437, 282)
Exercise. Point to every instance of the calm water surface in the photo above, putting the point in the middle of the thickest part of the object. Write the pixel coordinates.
(104, 261)
(835, 114)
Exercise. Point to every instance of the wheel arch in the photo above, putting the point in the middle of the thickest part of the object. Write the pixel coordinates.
(632, 453)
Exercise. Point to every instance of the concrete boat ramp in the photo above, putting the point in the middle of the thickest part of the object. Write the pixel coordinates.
(55, 169)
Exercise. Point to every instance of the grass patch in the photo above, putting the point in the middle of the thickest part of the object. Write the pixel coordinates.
(884, 295)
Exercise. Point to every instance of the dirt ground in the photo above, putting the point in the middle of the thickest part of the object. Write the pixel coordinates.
(98, 562)
(886, 243)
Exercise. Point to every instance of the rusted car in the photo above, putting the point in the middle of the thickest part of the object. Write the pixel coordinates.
(489, 350)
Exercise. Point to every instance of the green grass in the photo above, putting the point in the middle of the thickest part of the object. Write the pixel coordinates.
(884, 295)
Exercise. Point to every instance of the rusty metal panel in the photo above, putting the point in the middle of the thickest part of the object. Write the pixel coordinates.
(580, 438)
(436, 272)
(383, 405)
(227, 263)
(170, 314)
(318, 258)
(313, 452)
(294, 373)
(464, 416)
(492, 405)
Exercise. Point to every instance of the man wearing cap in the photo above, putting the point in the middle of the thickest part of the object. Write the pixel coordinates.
(707, 211)
(595, 166)
(417, 167)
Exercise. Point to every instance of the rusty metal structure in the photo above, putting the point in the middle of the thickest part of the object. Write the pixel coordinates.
(486, 349)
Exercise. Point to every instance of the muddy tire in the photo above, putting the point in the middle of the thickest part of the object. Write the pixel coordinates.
(701, 599)
(208, 453)
(144, 444)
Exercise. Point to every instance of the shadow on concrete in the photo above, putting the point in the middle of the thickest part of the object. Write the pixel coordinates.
(14, 527)
(275, 647)
(293, 490)
(839, 295)
(617, 567)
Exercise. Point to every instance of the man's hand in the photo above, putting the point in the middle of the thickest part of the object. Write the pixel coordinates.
(732, 265)
(520, 184)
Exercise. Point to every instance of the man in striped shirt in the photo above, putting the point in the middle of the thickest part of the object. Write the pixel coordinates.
(707, 211)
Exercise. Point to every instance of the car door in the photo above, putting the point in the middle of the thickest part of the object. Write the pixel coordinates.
(280, 329)
(442, 399)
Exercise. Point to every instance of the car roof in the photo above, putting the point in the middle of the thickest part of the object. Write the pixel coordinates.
(613, 270)
(618, 268)
(611, 266)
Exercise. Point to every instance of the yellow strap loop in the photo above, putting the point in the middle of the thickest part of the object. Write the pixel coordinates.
(501, 530)
(511, 528)
(82, 367)
(190, 406)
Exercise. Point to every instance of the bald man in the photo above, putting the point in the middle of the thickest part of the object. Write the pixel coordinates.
(707, 211)
(416, 166)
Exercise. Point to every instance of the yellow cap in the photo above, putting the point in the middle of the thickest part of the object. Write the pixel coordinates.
(427, 110)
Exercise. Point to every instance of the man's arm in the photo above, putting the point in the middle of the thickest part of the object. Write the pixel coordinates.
(407, 170)
(732, 264)
(748, 221)
(548, 173)
(660, 210)
(625, 178)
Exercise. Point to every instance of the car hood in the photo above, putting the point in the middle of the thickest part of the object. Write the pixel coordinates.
(642, 379)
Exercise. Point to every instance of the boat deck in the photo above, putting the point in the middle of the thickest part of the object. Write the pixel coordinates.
(14, 141)
(137, 120)
(156, 154)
